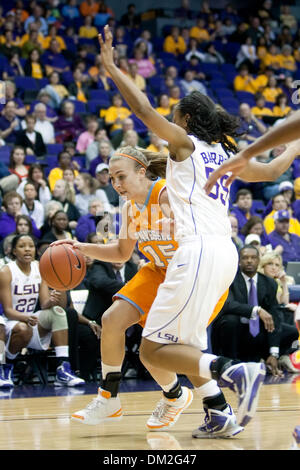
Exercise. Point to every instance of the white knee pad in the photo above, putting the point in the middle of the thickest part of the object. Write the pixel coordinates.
(53, 319)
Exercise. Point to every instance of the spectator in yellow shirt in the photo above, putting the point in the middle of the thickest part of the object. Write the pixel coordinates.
(260, 110)
(52, 34)
(174, 43)
(279, 201)
(164, 106)
(272, 90)
(286, 59)
(281, 108)
(244, 81)
(64, 161)
(271, 59)
(116, 114)
(200, 32)
(88, 30)
(157, 144)
(136, 77)
(174, 95)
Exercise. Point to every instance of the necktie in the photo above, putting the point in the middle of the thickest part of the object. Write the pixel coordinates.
(254, 323)
(118, 276)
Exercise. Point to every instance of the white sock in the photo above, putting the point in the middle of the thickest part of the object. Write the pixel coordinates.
(2, 352)
(168, 387)
(204, 363)
(107, 369)
(61, 351)
(210, 389)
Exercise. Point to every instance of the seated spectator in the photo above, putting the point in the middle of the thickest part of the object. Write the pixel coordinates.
(89, 7)
(260, 110)
(52, 34)
(56, 90)
(200, 31)
(281, 108)
(144, 64)
(6, 255)
(86, 186)
(59, 227)
(286, 17)
(254, 240)
(99, 76)
(79, 88)
(286, 188)
(243, 207)
(69, 124)
(279, 203)
(271, 59)
(116, 114)
(122, 42)
(38, 19)
(247, 54)
(92, 150)
(131, 19)
(70, 10)
(43, 125)
(64, 162)
(164, 106)
(13, 68)
(255, 225)
(212, 56)
(104, 184)
(88, 136)
(34, 41)
(157, 144)
(193, 50)
(104, 151)
(236, 239)
(118, 137)
(272, 90)
(250, 126)
(174, 95)
(54, 60)
(44, 97)
(271, 265)
(289, 243)
(286, 59)
(9, 123)
(88, 30)
(8, 46)
(16, 163)
(12, 203)
(23, 225)
(51, 207)
(244, 81)
(145, 37)
(136, 77)
(65, 194)
(31, 206)
(33, 66)
(88, 223)
(272, 188)
(10, 95)
(30, 139)
(37, 178)
(249, 326)
(130, 138)
(189, 83)
(174, 42)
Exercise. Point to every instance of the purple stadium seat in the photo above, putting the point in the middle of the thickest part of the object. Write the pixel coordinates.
(26, 83)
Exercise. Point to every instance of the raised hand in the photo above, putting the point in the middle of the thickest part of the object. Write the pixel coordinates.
(106, 49)
(235, 165)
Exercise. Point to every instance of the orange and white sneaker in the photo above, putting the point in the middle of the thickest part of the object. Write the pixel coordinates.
(167, 411)
(100, 409)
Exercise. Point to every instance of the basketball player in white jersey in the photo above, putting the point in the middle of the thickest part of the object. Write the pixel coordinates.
(21, 287)
(205, 264)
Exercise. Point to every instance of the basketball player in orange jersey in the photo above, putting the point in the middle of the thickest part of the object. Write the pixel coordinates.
(132, 172)
(21, 287)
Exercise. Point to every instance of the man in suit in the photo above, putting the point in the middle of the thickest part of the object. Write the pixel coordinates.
(249, 326)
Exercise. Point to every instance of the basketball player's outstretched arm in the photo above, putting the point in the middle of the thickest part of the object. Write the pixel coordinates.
(286, 132)
(180, 144)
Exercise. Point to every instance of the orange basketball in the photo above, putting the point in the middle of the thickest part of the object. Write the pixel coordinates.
(62, 267)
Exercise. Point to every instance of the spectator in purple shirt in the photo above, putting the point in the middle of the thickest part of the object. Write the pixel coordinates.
(289, 242)
(68, 125)
(250, 126)
(9, 123)
(12, 203)
(243, 208)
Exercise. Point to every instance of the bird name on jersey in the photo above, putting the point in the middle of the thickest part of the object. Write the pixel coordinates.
(213, 157)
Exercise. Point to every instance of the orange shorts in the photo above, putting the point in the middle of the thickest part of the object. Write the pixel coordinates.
(141, 291)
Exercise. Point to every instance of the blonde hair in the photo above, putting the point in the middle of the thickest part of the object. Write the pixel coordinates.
(155, 163)
(267, 258)
(69, 191)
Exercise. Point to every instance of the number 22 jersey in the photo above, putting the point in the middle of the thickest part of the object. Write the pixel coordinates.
(25, 288)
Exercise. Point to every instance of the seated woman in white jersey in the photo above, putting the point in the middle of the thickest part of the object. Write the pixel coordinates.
(204, 266)
(21, 286)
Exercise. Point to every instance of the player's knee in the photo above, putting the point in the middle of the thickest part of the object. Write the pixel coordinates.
(113, 321)
(22, 331)
(53, 319)
(145, 352)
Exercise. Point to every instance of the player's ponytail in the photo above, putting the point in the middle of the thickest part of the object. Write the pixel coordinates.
(208, 121)
(155, 163)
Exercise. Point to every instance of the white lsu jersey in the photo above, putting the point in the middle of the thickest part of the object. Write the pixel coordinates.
(195, 212)
(25, 289)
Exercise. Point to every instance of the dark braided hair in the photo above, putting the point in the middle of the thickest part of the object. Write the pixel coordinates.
(209, 122)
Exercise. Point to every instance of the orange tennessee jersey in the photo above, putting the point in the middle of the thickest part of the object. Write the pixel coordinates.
(144, 225)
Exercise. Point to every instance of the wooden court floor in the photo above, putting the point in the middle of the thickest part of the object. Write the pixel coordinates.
(44, 424)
